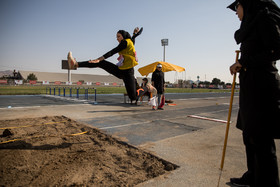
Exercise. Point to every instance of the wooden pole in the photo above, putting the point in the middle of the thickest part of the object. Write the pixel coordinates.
(228, 120)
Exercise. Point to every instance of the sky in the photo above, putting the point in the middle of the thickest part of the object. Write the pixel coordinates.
(35, 35)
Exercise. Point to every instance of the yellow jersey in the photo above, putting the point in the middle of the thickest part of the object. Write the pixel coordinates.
(129, 55)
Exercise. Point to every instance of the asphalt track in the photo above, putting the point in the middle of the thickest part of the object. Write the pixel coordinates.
(141, 126)
(191, 143)
(101, 99)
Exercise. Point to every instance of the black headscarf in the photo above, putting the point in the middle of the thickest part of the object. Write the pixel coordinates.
(252, 11)
(125, 34)
(254, 5)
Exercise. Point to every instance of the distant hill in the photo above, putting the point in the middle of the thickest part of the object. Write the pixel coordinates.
(6, 73)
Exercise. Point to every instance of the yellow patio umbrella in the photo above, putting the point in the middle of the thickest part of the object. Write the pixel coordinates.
(144, 71)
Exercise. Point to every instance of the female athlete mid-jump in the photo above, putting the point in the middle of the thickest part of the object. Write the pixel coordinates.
(127, 59)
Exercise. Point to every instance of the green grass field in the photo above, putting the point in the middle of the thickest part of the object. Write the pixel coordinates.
(38, 90)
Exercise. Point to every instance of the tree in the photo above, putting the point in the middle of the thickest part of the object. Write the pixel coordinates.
(216, 81)
(32, 77)
(206, 83)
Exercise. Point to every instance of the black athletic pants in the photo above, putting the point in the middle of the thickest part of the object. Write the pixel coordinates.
(127, 75)
(261, 162)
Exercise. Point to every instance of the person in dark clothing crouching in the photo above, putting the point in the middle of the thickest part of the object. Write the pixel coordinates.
(259, 101)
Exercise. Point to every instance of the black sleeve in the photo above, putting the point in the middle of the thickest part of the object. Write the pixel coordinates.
(117, 49)
(153, 77)
(269, 33)
(135, 35)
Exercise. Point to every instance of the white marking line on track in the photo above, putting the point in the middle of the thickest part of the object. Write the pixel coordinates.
(209, 119)
(204, 98)
(19, 107)
(23, 107)
(165, 119)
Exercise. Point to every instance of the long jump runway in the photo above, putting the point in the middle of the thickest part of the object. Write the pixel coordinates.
(46, 100)
(148, 126)
(152, 126)
(144, 126)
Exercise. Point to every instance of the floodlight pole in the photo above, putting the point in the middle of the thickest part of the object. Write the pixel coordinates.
(164, 53)
(164, 42)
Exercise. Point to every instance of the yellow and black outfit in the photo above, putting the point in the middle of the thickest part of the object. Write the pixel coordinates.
(129, 56)
(123, 71)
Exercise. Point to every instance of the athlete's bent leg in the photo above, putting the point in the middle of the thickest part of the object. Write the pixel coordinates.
(107, 66)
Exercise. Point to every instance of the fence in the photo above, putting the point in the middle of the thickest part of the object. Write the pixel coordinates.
(72, 92)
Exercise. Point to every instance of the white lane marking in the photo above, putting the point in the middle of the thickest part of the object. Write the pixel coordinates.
(204, 98)
(11, 107)
(208, 119)
(23, 107)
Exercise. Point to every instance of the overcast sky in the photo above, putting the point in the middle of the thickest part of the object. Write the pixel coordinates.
(35, 35)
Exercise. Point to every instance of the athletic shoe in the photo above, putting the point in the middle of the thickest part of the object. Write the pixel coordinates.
(240, 182)
(154, 108)
(71, 61)
(160, 108)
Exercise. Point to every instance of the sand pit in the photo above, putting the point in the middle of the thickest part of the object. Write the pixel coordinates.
(58, 151)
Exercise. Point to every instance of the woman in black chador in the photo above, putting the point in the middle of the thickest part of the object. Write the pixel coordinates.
(259, 101)
(126, 61)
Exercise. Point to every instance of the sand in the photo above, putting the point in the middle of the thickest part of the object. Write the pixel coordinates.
(58, 151)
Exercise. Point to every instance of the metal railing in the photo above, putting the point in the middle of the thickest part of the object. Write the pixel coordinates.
(81, 92)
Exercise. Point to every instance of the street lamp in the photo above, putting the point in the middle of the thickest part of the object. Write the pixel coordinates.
(164, 42)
